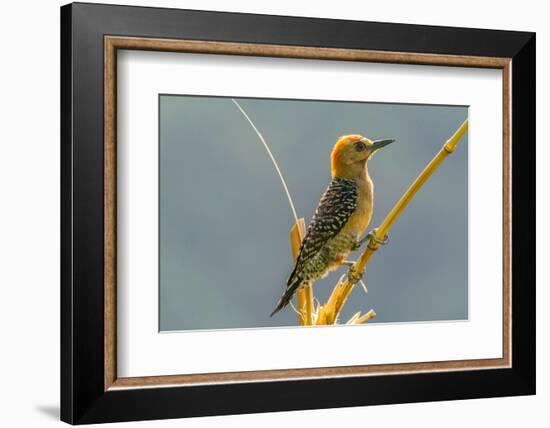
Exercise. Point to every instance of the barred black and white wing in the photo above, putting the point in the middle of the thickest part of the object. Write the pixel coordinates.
(335, 208)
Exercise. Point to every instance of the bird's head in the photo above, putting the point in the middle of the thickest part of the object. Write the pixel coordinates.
(351, 152)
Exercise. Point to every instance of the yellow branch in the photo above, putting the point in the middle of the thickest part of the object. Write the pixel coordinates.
(328, 314)
(368, 316)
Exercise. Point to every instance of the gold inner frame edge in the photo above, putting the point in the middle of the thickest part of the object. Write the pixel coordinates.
(113, 43)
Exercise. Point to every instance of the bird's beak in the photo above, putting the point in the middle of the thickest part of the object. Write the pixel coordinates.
(378, 144)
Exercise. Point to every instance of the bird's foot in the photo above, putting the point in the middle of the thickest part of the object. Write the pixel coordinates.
(371, 237)
(354, 276)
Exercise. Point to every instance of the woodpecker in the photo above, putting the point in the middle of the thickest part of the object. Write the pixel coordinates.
(342, 215)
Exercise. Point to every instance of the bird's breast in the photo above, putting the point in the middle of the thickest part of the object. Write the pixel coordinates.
(360, 219)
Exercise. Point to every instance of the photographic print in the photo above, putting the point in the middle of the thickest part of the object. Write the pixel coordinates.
(292, 212)
(265, 206)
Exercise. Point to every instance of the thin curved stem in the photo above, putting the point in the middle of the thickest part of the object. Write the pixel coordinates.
(262, 139)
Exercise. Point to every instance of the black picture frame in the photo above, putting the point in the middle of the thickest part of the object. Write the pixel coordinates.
(83, 396)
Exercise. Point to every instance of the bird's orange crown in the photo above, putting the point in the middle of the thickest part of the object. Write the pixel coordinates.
(340, 149)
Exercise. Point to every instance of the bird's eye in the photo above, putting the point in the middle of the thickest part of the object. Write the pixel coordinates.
(360, 146)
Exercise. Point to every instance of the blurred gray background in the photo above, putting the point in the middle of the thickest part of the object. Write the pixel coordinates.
(224, 218)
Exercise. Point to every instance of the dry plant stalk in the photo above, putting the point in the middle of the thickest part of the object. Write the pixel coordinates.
(304, 295)
(328, 314)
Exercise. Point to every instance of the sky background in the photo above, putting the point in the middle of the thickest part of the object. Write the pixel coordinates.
(225, 220)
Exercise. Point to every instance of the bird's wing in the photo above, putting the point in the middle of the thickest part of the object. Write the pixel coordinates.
(335, 208)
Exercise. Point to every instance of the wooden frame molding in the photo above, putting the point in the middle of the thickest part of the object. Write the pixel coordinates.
(113, 43)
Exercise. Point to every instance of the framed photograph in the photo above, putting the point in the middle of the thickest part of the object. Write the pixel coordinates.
(265, 213)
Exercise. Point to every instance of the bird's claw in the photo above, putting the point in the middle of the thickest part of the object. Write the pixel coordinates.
(354, 276)
(371, 237)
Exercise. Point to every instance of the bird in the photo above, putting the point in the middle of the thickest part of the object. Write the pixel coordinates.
(341, 217)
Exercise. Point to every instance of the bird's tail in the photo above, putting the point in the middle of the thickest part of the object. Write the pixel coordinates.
(287, 296)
